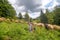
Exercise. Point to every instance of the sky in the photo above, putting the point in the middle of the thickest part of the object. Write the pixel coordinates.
(33, 6)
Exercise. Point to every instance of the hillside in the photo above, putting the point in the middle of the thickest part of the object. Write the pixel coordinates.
(20, 31)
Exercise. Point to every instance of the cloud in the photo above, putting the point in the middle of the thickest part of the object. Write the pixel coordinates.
(44, 2)
(58, 1)
(51, 4)
(12, 1)
(29, 4)
(34, 15)
(33, 6)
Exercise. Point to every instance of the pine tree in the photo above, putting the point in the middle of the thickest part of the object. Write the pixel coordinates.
(27, 18)
(50, 16)
(20, 16)
(43, 17)
(57, 15)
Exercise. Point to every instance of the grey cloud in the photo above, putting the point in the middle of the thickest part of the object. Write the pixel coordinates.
(29, 5)
(58, 1)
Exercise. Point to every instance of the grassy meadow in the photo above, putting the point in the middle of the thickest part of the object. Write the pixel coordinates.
(19, 31)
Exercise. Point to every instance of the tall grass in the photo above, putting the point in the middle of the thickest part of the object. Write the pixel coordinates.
(19, 31)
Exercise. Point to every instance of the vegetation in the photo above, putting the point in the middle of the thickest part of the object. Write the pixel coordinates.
(11, 29)
(52, 17)
(19, 31)
(43, 18)
(57, 15)
(20, 16)
(27, 18)
(6, 9)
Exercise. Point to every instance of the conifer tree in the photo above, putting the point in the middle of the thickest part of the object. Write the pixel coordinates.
(20, 16)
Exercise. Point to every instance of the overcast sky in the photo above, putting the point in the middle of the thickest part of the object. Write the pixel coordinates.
(33, 6)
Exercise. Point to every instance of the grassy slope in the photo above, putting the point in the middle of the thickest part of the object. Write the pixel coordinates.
(19, 31)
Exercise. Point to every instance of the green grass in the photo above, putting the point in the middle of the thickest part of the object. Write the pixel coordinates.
(19, 31)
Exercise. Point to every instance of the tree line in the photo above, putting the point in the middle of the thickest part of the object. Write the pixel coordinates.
(7, 11)
(52, 17)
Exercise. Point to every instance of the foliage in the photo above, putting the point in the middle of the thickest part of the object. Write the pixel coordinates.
(57, 15)
(50, 16)
(20, 16)
(27, 18)
(6, 9)
(19, 31)
(43, 18)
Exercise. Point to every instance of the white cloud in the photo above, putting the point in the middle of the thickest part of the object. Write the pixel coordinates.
(44, 2)
(35, 14)
(12, 1)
